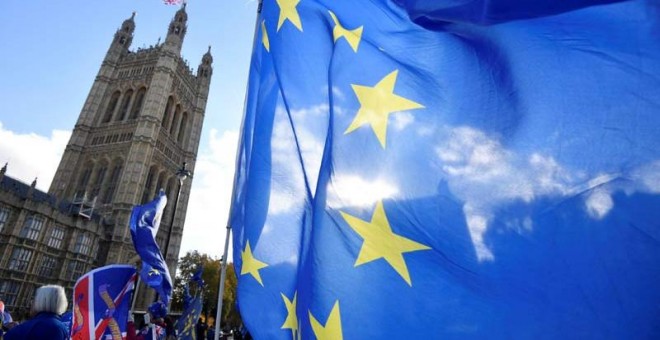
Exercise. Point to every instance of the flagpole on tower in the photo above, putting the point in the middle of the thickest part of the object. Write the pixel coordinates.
(223, 270)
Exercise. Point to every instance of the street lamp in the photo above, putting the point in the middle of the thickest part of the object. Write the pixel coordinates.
(182, 174)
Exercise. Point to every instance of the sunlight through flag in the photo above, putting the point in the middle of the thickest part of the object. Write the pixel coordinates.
(424, 169)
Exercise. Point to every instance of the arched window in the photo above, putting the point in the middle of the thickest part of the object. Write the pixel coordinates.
(182, 127)
(137, 104)
(112, 105)
(160, 183)
(99, 176)
(166, 114)
(124, 106)
(83, 180)
(111, 187)
(148, 184)
(175, 120)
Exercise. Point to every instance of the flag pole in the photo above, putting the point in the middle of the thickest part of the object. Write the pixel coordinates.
(223, 270)
(135, 292)
(221, 288)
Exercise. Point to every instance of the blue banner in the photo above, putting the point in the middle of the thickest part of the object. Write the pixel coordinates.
(451, 169)
(186, 323)
(144, 223)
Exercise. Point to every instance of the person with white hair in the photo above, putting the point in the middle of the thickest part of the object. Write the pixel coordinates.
(49, 303)
(6, 322)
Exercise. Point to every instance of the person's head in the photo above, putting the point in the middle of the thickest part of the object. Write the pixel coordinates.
(157, 310)
(50, 298)
(2, 307)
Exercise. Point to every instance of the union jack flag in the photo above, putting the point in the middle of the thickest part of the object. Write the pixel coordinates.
(101, 303)
(172, 2)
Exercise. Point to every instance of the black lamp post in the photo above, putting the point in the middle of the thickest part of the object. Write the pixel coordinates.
(182, 174)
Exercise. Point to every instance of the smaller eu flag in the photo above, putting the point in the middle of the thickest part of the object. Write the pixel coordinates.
(101, 301)
(145, 220)
(185, 326)
(197, 277)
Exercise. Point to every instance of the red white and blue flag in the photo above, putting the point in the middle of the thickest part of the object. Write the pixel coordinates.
(172, 2)
(101, 302)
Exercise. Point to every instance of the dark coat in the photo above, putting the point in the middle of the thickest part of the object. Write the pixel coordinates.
(43, 326)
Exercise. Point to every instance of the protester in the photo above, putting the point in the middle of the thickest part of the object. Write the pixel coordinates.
(6, 321)
(49, 303)
(200, 329)
(210, 335)
(169, 328)
(154, 328)
(5, 317)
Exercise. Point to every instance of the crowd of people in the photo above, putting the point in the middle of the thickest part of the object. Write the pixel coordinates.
(50, 303)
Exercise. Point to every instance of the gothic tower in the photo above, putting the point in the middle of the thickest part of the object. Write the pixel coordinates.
(140, 122)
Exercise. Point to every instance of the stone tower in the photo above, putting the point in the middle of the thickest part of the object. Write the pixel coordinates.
(140, 122)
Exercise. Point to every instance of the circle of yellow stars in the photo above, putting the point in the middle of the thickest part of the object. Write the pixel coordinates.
(377, 103)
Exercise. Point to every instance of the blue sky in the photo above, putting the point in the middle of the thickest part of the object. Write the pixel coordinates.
(51, 53)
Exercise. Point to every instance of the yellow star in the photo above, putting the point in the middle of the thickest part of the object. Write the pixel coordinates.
(251, 265)
(381, 242)
(289, 12)
(352, 36)
(332, 328)
(376, 104)
(264, 36)
(291, 321)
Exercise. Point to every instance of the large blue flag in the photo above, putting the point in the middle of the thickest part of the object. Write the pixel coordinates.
(145, 220)
(451, 169)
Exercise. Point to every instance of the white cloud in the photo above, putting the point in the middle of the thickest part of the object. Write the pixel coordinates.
(336, 91)
(31, 155)
(425, 130)
(484, 174)
(287, 183)
(649, 176)
(210, 198)
(354, 191)
(599, 203)
(477, 222)
(402, 119)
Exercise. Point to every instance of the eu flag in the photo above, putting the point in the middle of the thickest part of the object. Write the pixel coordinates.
(414, 169)
(144, 223)
(186, 323)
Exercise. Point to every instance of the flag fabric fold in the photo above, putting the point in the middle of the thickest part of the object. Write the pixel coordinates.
(450, 169)
(101, 303)
(144, 224)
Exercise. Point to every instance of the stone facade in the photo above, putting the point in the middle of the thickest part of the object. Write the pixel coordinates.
(141, 121)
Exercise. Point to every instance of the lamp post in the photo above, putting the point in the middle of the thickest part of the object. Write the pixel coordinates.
(182, 174)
